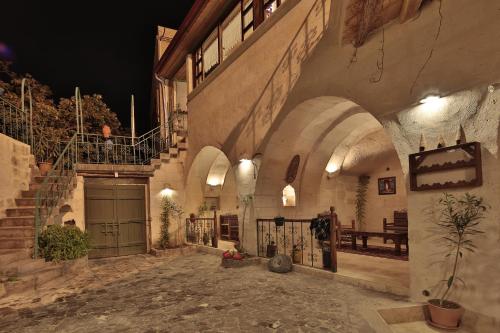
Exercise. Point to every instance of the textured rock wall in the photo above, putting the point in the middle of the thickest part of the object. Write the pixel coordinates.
(478, 111)
(14, 171)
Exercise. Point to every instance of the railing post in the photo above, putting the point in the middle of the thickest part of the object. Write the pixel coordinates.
(333, 239)
(215, 238)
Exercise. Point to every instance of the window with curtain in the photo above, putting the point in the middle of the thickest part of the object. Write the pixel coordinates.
(247, 18)
(231, 32)
(211, 53)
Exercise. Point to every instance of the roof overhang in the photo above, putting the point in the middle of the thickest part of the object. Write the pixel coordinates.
(198, 23)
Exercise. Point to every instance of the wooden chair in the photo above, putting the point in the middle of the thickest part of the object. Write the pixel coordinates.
(400, 223)
(344, 238)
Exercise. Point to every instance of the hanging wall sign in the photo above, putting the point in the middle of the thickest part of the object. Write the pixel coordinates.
(293, 167)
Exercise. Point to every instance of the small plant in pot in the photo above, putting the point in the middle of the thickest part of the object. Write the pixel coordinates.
(297, 251)
(459, 220)
(279, 221)
(271, 246)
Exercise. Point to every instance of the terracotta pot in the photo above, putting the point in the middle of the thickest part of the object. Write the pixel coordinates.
(106, 131)
(448, 317)
(297, 256)
(44, 168)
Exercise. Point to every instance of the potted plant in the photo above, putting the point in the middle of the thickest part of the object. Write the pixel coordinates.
(459, 220)
(271, 250)
(206, 238)
(297, 253)
(279, 221)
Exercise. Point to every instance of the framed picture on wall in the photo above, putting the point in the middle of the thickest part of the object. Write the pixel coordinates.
(387, 185)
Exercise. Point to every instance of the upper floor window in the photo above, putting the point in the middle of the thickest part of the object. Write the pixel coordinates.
(210, 52)
(231, 32)
(234, 28)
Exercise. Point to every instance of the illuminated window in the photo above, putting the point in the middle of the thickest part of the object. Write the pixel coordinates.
(288, 196)
(247, 19)
(211, 53)
(231, 32)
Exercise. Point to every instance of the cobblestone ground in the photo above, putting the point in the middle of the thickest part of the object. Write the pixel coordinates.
(194, 294)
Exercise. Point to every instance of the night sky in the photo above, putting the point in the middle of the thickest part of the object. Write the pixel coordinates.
(104, 47)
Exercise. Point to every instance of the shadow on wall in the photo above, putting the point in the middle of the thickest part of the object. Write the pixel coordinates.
(274, 94)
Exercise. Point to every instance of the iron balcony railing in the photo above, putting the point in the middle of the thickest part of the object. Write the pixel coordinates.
(292, 237)
(92, 149)
(15, 122)
(96, 149)
(201, 231)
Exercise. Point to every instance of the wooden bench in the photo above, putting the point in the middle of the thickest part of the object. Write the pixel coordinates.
(342, 237)
(400, 223)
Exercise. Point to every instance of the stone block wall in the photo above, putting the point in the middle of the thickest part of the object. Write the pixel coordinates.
(15, 173)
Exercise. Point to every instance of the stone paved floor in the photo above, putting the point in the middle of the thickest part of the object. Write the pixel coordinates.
(193, 294)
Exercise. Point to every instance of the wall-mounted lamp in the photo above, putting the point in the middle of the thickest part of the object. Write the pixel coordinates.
(167, 191)
(492, 87)
(430, 99)
(331, 168)
(214, 181)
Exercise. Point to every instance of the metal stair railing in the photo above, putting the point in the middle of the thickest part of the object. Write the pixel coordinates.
(16, 122)
(54, 187)
(91, 149)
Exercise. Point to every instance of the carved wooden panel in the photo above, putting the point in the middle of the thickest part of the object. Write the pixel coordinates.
(473, 161)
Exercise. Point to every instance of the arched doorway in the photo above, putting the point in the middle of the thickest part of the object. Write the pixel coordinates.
(211, 193)
(340, 145)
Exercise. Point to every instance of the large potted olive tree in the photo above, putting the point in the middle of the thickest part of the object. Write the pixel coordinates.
(459, 221)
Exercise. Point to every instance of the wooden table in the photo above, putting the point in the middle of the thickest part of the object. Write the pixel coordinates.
(398, 237)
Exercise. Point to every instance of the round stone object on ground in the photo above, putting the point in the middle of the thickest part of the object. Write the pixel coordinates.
(280, 264)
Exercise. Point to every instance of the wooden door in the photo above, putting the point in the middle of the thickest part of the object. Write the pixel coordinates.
(115, 217)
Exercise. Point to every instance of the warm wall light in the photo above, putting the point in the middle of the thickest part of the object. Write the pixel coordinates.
(168, 191)
(214, 181)
(331, 168)
(430, 99)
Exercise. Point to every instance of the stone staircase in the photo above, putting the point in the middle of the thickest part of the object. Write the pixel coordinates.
(19, 272)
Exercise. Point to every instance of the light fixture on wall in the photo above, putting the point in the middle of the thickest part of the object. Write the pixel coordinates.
(432, 103)
(430, 99)
(492, 87)
(167, 191)
(331, 168)
(214, 181)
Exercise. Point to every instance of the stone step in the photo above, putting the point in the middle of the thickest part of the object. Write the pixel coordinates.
(16, 243)
(17, 221)
(28, 194)
(17, 232)
(173, 152)
(25, 202)
(9, 256)
(48, 274)
(21, 211)
(33, 280)
(19, 285)
(23, 267)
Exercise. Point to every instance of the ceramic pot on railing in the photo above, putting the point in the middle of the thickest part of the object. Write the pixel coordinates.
(106, 131)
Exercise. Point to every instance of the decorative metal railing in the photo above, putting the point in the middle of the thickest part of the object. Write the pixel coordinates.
(201, 231)
(54, 187)
(292, 237)
(16, 122)
(92, 149)
(96, 149)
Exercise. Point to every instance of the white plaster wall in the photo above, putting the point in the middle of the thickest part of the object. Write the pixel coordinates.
(171, 173)
(15, 171)
(478, 112)
(76, 204)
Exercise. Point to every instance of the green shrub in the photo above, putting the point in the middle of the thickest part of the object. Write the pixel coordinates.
(63, 243)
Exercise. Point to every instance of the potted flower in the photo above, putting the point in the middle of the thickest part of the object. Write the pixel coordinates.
(279, 221)
(459, 220)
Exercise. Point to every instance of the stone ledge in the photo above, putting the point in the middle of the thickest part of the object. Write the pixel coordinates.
(231, 263)
(173, 252)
